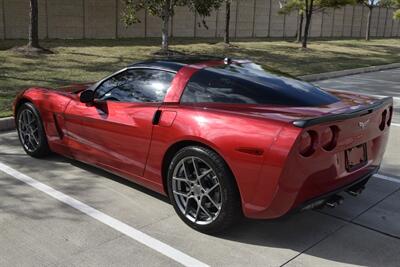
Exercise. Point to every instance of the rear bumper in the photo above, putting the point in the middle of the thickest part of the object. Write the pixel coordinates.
(320, 199)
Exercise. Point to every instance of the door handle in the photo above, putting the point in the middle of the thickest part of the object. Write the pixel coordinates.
(157, 117)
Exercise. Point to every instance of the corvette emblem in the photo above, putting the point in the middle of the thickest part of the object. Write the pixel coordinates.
(363, 124)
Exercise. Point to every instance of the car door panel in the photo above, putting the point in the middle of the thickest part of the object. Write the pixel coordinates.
(112, 134)
(115, 130)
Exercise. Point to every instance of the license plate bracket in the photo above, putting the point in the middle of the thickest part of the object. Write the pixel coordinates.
(356, 157)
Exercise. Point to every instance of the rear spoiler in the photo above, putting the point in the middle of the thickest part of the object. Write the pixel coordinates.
(344, 116)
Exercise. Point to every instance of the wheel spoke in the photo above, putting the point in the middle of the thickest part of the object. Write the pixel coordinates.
(29, 118)
(35, 139)
(212, 188)
(212, 202)
(184, 171)
(197, 212)
(195, 168)
(181, 179)
(31, 142)
(181, 194)
(204, 174)
(205, 211)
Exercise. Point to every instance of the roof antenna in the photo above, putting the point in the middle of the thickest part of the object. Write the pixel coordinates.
(227, 61)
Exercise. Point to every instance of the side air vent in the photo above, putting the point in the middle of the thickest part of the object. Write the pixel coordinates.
(59, 131)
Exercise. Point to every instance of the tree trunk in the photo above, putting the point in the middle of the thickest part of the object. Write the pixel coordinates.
(300, 29)
(368, 30)
(227, 22)
(306, 29)
(309, 11)
(165, 26)
(33, 25)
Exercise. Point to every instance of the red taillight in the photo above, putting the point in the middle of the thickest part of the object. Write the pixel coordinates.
(390, 116)
(329, 138)
(383, 121)
(308, 143)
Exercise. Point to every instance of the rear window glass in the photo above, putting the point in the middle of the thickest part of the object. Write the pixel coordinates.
(250, 84)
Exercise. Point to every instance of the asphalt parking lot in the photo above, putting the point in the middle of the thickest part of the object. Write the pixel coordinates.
(59, 212)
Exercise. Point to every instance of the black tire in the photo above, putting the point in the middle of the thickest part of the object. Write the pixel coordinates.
(230, 210)
(42, 148)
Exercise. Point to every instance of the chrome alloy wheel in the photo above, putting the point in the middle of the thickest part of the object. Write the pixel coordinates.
(28, 130)
(197, 190)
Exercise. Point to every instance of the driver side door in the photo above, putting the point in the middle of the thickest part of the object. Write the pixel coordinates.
(114, 131)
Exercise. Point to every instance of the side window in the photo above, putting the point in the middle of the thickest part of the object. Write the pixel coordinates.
(209, 87)
(136, 85)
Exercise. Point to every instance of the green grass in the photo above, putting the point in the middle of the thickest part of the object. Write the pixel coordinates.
(90, 60)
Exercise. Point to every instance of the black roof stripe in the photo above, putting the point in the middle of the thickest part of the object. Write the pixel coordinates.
(173, 63)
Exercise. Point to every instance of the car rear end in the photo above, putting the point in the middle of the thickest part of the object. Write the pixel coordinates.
(332, 153)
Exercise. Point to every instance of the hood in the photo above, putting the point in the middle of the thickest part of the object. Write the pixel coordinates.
(74, 88)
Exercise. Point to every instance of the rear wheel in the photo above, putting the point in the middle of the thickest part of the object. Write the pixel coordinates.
(31, 132)
(203, 190)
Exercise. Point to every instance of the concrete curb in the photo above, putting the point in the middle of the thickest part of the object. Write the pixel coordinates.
(335, 74)
(7, 124)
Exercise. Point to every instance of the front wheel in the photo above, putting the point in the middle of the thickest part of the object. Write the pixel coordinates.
(203, 190)
(31, 132)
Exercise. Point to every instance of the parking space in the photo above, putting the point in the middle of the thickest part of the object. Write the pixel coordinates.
(37, 229)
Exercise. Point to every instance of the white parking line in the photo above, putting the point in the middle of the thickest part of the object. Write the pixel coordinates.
(396, 124)
(121, 227)
(387, 178)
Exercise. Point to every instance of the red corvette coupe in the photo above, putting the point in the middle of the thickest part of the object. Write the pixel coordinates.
(220, 137)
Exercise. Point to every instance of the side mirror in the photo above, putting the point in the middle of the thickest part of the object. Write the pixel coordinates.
(87, 96)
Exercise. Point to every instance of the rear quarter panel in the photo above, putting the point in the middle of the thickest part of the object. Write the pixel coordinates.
(242, 141)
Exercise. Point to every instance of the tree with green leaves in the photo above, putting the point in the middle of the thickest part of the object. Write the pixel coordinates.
(164, 9)
(391, 4)
(310, 7)
(396, 4)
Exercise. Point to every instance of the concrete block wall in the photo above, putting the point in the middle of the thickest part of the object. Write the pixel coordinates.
(209, 29)
(245, 23)
(249, 18)
(316, 25)
(396, 28)
(290, 25)
(66, 19)
(100, 19)
(2, 28)
(16, 25)
(338, 18)
(183, 22)
(327, 23)
(277, 21)
(348, 19)
(359, 20)
(381, 22)
(261, 25)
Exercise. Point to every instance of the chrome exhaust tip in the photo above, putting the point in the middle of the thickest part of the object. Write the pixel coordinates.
(334, 201)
